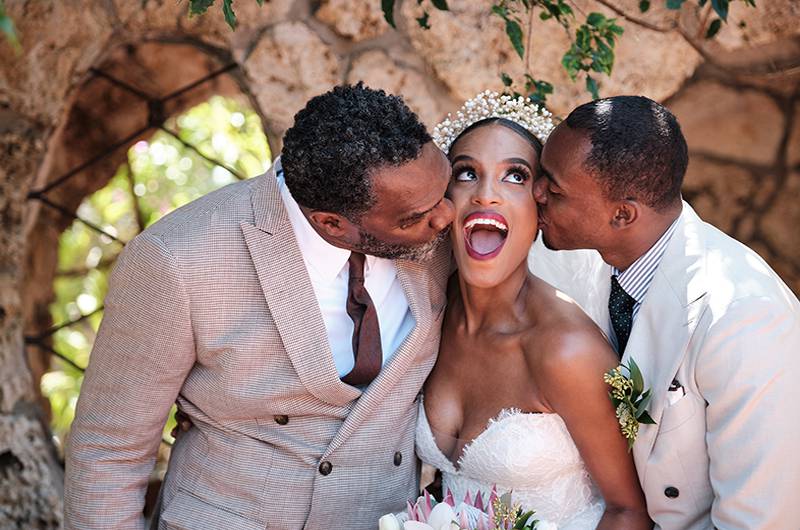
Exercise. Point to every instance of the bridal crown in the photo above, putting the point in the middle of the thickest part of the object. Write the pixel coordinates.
(489, 104)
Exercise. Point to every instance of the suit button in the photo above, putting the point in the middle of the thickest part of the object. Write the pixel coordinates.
(672, 492)
(281, 419)
(325, 468)
(398, 458)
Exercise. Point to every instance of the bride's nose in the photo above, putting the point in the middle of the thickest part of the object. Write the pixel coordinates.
(486, 192)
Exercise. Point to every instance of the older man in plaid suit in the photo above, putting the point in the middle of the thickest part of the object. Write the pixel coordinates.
(294, 317)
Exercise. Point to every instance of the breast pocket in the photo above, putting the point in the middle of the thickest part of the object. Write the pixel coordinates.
(679, 413)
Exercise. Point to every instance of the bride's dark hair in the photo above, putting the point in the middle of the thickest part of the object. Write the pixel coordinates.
(509, 124)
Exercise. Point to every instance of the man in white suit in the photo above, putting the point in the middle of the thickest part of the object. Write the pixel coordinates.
(292, 319)
(714, 330)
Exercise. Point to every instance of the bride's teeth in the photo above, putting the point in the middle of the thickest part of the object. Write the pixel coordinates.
(491, 222)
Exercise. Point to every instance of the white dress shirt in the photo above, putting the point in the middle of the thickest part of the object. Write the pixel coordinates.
(329, 272)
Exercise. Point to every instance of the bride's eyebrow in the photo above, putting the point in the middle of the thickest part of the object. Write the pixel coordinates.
(518, 161)
(460, 158)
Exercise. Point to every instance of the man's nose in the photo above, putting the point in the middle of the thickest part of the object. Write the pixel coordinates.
(443, 215)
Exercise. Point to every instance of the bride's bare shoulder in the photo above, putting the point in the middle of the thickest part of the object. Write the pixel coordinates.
(564, 338)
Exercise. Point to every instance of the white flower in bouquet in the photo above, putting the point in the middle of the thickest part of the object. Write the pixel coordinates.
(389, 522)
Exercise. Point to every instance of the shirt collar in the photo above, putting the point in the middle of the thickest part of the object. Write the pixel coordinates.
(323, 260)
(636, 279)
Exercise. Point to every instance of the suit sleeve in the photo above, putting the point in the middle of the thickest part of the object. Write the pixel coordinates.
(141, 357)
(748, 373)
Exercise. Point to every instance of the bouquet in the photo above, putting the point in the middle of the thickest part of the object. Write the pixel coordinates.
(495, 513)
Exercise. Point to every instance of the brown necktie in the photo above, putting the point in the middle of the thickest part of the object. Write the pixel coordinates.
(366, 332)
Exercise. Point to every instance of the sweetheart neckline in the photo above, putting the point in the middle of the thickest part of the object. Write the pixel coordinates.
(503, 415)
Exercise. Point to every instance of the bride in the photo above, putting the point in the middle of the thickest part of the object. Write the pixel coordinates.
(517, 399)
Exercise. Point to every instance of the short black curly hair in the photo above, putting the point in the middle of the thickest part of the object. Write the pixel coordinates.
(638, 149)
(339, 139)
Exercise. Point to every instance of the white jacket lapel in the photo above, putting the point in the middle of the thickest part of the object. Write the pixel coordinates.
(667, 320)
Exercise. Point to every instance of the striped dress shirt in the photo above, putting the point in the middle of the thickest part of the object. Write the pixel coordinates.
(636, 279)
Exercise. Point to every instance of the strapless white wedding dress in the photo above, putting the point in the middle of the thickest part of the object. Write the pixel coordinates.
(532, 456)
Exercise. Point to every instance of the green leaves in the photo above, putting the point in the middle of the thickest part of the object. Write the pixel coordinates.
(227, 10)
(387, 6)
(514, 32)
(644, 6)
(7, 28)
(674, 4)
(714, 28)
(592, 50)
(198, 7)
(721, 8)
(629, 398)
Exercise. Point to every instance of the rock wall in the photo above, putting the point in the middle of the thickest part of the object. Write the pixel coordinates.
(738, 99)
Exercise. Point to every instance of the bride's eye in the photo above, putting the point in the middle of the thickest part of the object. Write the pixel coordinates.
(517, 175)
(464, 175)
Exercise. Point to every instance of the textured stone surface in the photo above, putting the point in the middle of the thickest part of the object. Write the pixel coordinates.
(721, 191)
(354, 19)
(771, 21)
(468, 48)
(743, 124)
(782, 214)
(378, 70)
(59, 42)
(290, 65)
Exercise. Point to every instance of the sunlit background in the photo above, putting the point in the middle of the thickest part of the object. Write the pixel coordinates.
(160, 175)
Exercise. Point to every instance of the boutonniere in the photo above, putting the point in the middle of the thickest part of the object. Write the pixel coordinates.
(629, 398)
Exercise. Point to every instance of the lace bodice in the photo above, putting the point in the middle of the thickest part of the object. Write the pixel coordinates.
(531, 455)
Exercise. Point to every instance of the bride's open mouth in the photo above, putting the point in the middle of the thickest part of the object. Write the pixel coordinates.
(485, 234)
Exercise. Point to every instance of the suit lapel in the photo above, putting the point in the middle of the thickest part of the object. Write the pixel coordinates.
(290, 296)
(667, 320)
(415, 283)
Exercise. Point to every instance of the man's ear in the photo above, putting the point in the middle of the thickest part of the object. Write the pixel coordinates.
(331, 224)
(625, 214)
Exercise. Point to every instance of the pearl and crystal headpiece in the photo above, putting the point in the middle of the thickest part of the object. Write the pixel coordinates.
(537, 120)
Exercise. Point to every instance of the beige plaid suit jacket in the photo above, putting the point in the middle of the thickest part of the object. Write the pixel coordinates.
(213, 306)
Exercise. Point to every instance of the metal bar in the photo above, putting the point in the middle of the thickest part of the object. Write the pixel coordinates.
(39, 344)
(204, 156)
(51, 331)
(67, 213)
(72, 172)
(199, 82)
(122, 84)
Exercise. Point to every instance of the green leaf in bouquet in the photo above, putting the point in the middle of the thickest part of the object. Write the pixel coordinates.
(721, 7)
(507, 81)
(645, 418)
(641, 405)
(591, 86)
(636, 378)
(423, 21)
(441, 5)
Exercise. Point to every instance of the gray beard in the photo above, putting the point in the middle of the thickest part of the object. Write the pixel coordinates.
(420, 253)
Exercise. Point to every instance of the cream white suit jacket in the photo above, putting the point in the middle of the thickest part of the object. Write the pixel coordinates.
(213, 306)
(720, 328)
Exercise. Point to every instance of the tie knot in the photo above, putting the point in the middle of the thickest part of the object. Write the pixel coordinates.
(356, 262)
(619, 296)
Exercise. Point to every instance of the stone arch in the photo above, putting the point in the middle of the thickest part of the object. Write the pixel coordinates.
(118, 103)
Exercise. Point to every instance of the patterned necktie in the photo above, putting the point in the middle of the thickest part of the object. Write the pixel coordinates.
(620, 309)
(366, 331)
